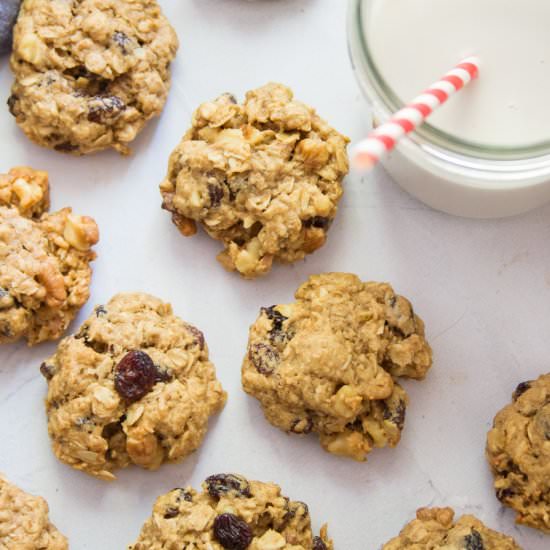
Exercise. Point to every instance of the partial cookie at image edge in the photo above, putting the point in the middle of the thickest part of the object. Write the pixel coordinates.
(231, 512)
(518, 453)
(24, 521)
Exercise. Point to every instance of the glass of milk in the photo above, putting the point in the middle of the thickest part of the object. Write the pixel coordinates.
(486, 153)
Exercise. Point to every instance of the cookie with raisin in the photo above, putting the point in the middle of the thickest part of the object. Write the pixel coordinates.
(435, 528)
(518, 451)
(89, 74)
(25, 523)
(45, 257)
(230, 512)
(263, 177)
(133, 386)
(331, 361)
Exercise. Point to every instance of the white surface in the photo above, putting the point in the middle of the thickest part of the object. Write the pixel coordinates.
(483, 289)
(506, 106)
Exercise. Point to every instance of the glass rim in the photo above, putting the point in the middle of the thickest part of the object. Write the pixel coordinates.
(434, 136)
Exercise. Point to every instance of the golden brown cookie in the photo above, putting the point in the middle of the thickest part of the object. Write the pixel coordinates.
(231, 513)
(434, 528)
(264, 178)
(133, 385)
(518, 451)
(27, 190)
(24, 521)
(329, 362)
(44, 260)
(89, 74)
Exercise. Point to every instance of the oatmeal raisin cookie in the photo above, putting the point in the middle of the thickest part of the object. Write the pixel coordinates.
(89, 73)
(233, 513)
(264, 178)
(133, 385)
(518, 451)
(329, 363)
(24, 521)
(44, 260)
(434, 528)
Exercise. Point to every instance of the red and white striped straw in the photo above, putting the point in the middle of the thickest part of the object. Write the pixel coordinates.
(383, 139)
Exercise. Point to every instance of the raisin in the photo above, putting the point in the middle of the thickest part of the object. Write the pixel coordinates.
(163, 375)
(232, 192)
(221, 484)
(397, 416)
(111, 429)
(504, 494)
(171, 512)
(514, 467)
(198, 336)
(232, 532)
(12, 100)
(216, 195)
(318, 544)
(474, 541)
(264, 358)
(121, 40)
(104, 107)
(521, 389)
(277, 334)
(80, 71)
(318, 222)
(275, 316)
(65, 147)
(135, 375)
(98, 347)
(47, 371)
(302, 426)
(296, 508)
(100, 310)
(183, 495)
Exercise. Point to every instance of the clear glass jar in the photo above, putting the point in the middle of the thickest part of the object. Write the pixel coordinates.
(449, 174)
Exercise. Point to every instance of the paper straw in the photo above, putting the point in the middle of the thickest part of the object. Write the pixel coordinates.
(384, 138)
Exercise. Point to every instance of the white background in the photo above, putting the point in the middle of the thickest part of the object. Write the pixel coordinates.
(483, 289)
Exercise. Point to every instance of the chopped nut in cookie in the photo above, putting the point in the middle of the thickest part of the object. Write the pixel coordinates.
(133, 386)
(27, 190)
(264, 178)
(330, 362)
(238, 515)
(45, 260)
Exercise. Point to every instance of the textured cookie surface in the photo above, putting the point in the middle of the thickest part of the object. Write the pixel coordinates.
(264, 178)
(518, 451)
(329, 362)
(434, 528)
(27, 190)
(134, 385)
(44, 260)
(89, 73)
(24, 521)
(231, 513)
